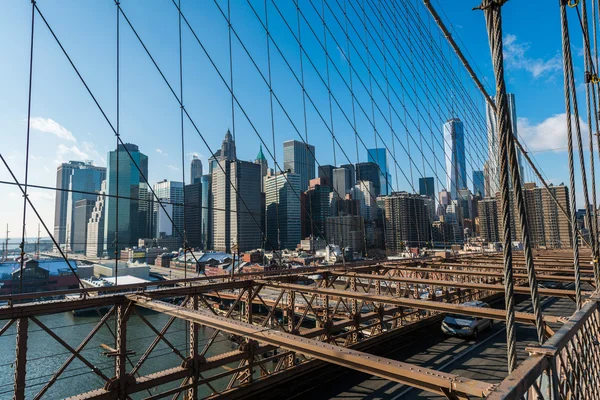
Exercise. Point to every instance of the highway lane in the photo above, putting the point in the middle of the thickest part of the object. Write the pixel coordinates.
(484, 359)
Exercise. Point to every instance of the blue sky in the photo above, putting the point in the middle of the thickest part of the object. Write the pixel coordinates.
(67, 125)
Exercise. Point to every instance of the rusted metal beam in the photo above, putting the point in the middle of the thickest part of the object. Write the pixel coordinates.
(423, 378)
(481, 312)
(540, 277)
(465, 285)
(500, 267)
(21, 359)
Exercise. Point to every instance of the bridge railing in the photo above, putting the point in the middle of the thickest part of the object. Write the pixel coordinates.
(567, 366)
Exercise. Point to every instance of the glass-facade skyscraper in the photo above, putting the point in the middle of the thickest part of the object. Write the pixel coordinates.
(79, 176)
(299, 158)
(133, 211)
(427, 187)
(454, 150)
(283, 211)
(478, 183)
(379, 157)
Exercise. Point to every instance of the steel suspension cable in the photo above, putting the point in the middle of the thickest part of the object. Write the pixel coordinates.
(184, 239)
(27, 143)
(490, 102)
(490, 9)
(567, 66)
(591, 110)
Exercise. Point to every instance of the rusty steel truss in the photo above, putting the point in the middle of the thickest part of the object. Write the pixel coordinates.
(278, 323)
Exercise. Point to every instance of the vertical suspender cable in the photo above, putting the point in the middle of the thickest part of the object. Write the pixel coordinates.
(492, 10)
(25, 194)
(509, 295)
(567, 88)
(116, 240)
(591, 109)
(273, 127)
(184, 239)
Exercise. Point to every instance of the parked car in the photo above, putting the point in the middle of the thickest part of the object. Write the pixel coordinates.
(464, 325)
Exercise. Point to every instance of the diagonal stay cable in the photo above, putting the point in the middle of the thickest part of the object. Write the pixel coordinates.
(106, 117)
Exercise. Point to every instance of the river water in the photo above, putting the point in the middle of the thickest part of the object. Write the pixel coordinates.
(45, 355)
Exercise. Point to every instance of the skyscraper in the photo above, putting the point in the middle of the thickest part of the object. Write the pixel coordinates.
(195, 170)
(406, 221)
(351, 176)
(318, 208)
(78, 176)
(133, 210)
(226, 152)
(454, 149)
(478, 183)
(427, 187)
(95, 228)
(193, 214)
(283, 210)
(171, 193)
(207, 214)
(369, 171)
(299, 158)
(264, 167)
(340, 182)
(379, 157)
(236, 206)
(326, 172)
(81, 214)
(488, 220)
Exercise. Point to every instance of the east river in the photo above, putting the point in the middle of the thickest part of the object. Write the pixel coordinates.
(45, 355)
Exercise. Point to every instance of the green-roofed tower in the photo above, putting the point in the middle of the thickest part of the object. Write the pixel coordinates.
(264, 166)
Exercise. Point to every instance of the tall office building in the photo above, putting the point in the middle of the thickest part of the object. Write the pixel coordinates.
(171, 193)
(299, 158)
(406, 221)
(81, 177)
(478, 183)
(351, 176)
(364, 192)
(206, 230)
(283, 216)
(226, 152)
(95, 228)
(548, 226)
(195, 170)
(317, 208)
(193, 214)
(488, 220)
(236, 206)
(379, 157)
(134, 210)
(454, 149)
(369, 171)
(81, 214)
(427, 187)
(264, 167)
(326, 172)
(340, 182)
(347, 231)
(494, 149)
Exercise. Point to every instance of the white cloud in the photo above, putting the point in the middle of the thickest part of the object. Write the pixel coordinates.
(550, 134)
(172, 167)
(63, 150)
(47, 125)
(515, 56)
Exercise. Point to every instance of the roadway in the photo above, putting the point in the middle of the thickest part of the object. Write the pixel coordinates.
(484, 359)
